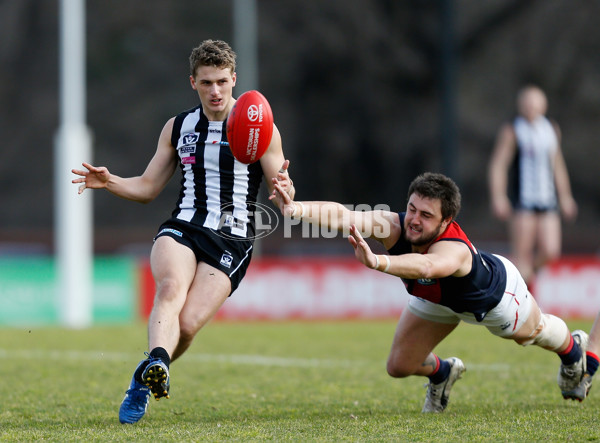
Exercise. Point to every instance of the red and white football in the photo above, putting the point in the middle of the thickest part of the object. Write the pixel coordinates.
(250, 127)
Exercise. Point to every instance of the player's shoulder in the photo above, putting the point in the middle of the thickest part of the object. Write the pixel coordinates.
(195, 109)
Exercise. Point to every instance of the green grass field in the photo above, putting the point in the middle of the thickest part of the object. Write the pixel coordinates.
(282, 381)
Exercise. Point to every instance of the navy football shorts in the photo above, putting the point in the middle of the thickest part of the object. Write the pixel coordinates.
(228, 255)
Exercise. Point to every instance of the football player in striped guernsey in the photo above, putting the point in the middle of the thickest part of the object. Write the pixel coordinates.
(529, 183)
(201, 253)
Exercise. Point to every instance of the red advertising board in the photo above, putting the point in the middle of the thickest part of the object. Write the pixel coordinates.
(341, 288)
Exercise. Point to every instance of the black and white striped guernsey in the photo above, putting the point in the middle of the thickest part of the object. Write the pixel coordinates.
(533, 179)
(217, 191)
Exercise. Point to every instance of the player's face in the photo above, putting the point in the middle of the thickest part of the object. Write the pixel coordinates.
(215, 89)
(423, 222)
(532, 103)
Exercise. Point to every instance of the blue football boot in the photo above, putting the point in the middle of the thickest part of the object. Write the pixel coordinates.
(134, 405)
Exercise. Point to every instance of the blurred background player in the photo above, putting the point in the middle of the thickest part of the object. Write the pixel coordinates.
(201, 254)
(448, 280)
(531, 144)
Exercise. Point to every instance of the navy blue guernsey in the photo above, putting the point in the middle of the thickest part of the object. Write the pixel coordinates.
(217, 191)
(477, 292)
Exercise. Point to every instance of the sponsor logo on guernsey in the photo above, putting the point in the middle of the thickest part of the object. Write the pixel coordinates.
(171, 231)
(191, 149)
(191, 160)
(426, 281)
(226, 259)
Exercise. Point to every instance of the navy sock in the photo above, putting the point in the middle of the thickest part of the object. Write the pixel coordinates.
(442, 372)
(162, 354)
(592, 363)
(571, 354)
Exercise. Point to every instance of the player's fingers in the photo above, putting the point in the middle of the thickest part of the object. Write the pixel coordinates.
(280, 190)
(285, 197)
(284, 167)
(352, 241)
(355, 232)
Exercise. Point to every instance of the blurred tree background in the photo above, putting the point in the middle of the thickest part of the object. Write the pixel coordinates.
(356, 87)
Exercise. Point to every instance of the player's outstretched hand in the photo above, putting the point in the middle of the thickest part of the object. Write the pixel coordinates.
(362, 251)
(282, 199)
(283, 178)
(93, 178)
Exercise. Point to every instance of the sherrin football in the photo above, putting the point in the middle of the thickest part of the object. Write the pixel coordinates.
(250, 127)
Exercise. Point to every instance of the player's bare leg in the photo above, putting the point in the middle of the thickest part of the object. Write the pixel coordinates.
(173, 268)
(411, 354)
(523, 236)
(209, 290)
(548, 238)
(414, 340)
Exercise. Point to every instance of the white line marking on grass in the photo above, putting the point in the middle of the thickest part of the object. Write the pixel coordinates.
(264, 360)
(241, 359)
(238, 359)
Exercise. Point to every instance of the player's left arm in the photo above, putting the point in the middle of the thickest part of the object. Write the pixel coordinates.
(275, 166)
(444, 259)
(567, 203)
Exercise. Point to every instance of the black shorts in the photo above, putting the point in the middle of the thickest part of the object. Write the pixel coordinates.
(537, 209)
(230, 256)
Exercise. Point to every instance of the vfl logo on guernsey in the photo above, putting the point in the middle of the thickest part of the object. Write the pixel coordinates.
(188, 143)
(426, 281)
(190, 138)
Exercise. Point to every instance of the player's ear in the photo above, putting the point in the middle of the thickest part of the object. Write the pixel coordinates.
(234, 78)
(193, 82)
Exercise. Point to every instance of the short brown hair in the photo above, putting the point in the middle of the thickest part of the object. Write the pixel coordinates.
(437, 186)
(215, 53)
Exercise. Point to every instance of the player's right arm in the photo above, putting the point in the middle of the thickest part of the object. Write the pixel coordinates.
(504, 152)
(143, 188)
(380, 225)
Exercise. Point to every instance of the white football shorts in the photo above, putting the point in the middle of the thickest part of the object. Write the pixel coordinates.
(504, 320)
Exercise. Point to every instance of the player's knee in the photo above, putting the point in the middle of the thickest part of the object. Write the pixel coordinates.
(168, 289)
(187, 331)
(398, 369)
(552, 334)
(551, 255)
(189, 325)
